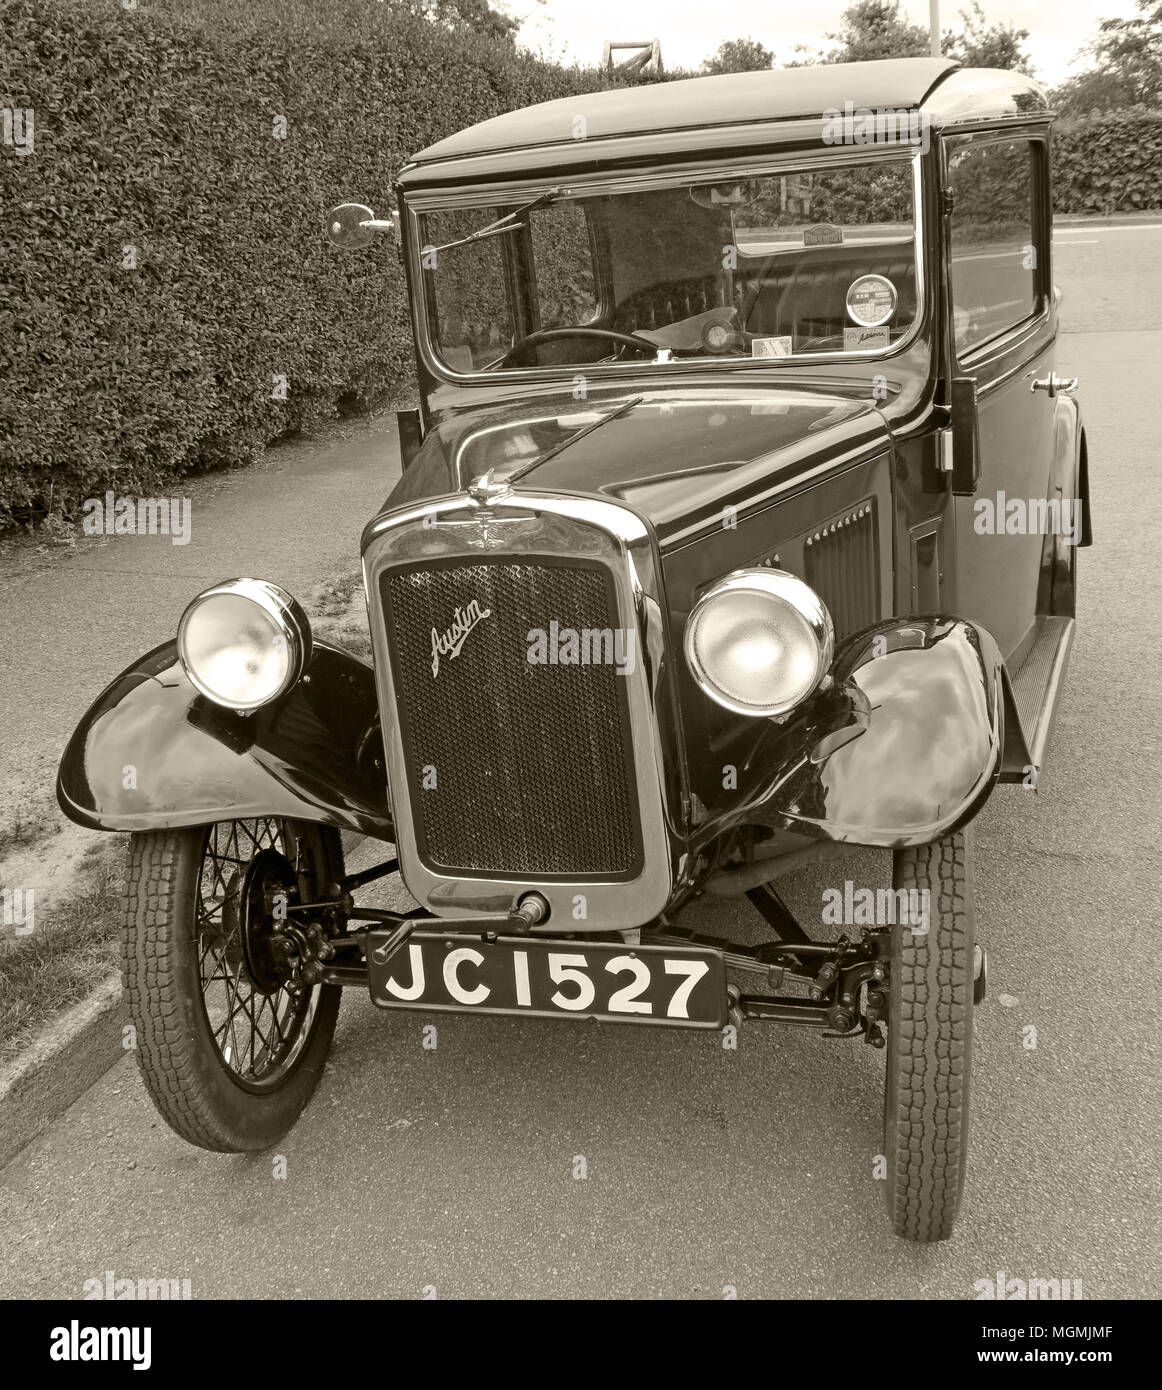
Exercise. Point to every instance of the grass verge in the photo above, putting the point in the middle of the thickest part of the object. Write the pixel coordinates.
(33, 821)
(73, 947)
(339, 614)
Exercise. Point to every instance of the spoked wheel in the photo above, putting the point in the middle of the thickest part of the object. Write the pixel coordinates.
(230, 1044)
(930, 1042)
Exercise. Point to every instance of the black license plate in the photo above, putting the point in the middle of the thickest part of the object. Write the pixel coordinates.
(683, 987)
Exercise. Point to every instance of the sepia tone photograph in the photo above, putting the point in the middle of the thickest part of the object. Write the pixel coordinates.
(579, 688)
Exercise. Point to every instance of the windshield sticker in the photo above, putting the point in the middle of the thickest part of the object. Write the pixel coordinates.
(771, 347)
(871, 300)
(859, 339)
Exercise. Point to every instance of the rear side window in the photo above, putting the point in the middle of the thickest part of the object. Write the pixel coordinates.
(994, 251)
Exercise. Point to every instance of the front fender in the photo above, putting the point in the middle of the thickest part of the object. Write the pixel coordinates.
(152, 753)
(905, 746)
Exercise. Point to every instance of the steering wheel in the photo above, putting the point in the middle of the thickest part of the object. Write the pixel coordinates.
(548, 335)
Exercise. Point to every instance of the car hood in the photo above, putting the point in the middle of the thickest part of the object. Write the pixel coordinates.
(677, 460)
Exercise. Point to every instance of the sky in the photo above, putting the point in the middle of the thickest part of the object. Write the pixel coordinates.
(690, 30)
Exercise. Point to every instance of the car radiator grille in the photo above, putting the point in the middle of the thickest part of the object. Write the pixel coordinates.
(841, 563)
(515, 769)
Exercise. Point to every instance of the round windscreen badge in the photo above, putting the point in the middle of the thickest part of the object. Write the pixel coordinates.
(871, 300)
(719, 335)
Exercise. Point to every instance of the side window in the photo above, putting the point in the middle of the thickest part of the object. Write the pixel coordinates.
(473, 317)
(994, 239)
(563, 263)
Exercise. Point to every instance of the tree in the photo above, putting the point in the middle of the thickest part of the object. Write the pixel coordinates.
(1127, 65)
(872, 29)
(1091, 91)
(477, 15)
(979, 44)
(1131, 51)
(740, 55)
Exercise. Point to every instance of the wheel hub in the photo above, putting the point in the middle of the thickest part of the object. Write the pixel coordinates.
(268, 889)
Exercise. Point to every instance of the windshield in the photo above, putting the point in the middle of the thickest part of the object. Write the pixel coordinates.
(779, 265)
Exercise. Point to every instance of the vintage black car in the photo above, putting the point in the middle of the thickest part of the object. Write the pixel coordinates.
(738, 526)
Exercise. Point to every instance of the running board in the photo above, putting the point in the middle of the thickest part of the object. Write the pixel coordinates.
(1033, 693)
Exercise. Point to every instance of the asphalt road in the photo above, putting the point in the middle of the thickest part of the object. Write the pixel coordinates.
(453, 1169)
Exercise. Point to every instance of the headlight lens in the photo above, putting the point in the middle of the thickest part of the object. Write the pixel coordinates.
(243, 643)
(759, 642)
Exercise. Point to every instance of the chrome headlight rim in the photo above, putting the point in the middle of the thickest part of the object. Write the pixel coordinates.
(786, 588)
(287, 615)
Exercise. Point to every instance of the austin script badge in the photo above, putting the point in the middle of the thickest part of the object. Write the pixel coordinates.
(449, 643)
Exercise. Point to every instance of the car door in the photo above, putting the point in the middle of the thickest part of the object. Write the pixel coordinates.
(1002, 326)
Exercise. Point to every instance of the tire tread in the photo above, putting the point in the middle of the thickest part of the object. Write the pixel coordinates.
(930, 1044)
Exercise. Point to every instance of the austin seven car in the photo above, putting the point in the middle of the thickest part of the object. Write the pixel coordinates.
(736, 531)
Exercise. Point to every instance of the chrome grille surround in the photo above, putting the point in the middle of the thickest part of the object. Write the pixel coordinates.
(557, 527)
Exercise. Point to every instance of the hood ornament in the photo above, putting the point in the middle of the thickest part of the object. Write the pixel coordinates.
(487, 489)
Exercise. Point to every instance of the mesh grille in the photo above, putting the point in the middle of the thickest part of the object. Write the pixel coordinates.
(531, 763)
(842, 566)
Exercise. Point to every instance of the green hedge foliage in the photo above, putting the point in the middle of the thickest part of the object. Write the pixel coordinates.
(1107, 162)
(157, 129)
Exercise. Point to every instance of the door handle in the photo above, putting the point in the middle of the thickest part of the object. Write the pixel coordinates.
(1055, 385)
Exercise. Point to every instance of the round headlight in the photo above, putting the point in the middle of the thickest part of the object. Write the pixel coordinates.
(759, 642)
(244, 643)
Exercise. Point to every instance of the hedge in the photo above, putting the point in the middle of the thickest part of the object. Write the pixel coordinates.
(162, 258)
(1107, 162)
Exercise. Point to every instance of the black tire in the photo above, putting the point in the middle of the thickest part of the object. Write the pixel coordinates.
(210, 1094)
(926, 1104)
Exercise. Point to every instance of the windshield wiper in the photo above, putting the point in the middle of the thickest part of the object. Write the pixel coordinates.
(552, 453)
(507, 223)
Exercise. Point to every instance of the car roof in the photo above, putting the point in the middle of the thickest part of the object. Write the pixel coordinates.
(700, 114)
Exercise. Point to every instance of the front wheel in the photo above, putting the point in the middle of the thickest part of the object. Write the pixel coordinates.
(230, 1048)
(930, 1038)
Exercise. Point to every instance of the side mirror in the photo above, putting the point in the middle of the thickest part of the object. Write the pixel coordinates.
(352, 225)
